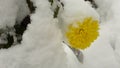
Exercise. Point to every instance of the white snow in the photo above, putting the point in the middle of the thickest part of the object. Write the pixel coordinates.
(12, 11)
(8, 11)
(73, 13)
(101, 54)
(22, 11)
(109, 12)
(41, 46)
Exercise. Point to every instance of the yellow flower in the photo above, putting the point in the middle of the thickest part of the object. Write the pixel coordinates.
(80, 35)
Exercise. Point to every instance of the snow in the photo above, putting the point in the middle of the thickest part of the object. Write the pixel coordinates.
(101, 54)
(7, 12)
(22, 11)
(12, 11)
(109, 12)
(72, 13)
(41, 46)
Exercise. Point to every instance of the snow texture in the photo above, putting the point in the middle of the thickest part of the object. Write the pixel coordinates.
(42, 48)
(22, 11)
(105, 52)
(12, 11)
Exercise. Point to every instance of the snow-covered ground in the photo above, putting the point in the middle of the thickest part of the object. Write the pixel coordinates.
(42, 46)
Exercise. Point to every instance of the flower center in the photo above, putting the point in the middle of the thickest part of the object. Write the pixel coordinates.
(84, 34)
